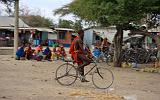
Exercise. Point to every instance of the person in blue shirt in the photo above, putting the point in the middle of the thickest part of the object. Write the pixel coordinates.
(47, 53)
(20, 53)
(96, 53)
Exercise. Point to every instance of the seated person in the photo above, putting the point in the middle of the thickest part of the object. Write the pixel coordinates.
(39, 55)
(62, 52)
(47, 53)
(58, 52)
(54, 55)
(39, 47)
(97, 53)
(28, 52)
(20, 53)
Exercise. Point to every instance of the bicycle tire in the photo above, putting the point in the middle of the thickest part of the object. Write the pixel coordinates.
(101, 76)
(66, 74)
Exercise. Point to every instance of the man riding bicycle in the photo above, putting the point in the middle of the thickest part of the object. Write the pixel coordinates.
(79, 54)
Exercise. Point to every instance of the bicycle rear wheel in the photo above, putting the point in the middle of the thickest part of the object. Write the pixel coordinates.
(66, 74)
(102, 78)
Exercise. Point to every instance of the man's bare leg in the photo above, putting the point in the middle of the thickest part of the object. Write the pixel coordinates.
(86, 61)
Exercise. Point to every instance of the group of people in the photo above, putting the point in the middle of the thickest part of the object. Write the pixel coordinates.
(29, 53)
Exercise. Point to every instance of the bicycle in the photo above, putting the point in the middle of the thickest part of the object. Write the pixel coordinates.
(128, 57)
(102, 77)
(104, 56)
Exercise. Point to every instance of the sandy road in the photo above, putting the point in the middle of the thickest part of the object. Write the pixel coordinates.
(32, 80)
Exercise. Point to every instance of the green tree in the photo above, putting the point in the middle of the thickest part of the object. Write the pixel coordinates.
(65, 23)
(37, 21)
(120, 13)
(77, 25)
(8, 4)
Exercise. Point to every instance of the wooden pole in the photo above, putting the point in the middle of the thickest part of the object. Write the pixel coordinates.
(16, 16)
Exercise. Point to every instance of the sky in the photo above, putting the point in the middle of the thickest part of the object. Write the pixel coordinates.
(46, 7)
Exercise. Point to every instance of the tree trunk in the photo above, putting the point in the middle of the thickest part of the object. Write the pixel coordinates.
(16, 16)
(118, 39)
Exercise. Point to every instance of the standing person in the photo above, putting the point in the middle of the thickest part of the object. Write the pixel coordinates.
(105, 45)
(79, 54)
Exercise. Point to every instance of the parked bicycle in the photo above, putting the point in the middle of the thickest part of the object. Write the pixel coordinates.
(128, 57)
(102, 55)
(151, 55)
(67, 73)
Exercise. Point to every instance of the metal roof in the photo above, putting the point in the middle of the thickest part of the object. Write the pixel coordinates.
(31, 28)
(45, 30)
(63, 29)
(6, 21)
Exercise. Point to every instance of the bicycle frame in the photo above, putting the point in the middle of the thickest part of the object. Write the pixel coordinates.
(95, 66)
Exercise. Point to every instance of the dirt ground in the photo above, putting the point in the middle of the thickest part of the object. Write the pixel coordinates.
(32, 80)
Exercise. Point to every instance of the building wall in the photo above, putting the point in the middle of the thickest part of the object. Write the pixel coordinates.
(88, 37)
(44, 36)
(64, 37)
(52, 36)
(68, 36)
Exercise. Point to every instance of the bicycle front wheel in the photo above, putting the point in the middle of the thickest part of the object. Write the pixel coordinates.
(102, 78)
(66, 74)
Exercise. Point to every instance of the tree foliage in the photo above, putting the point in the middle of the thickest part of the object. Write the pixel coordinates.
(70, 24)
(37, 21)
(120, 13)
(77, 25)
(8, 4)
(65, 23)
(111, 12)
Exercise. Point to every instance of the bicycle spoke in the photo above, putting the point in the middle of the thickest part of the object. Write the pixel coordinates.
(99, 73)
(60, 77)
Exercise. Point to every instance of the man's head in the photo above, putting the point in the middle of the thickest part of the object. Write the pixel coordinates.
(81, 33)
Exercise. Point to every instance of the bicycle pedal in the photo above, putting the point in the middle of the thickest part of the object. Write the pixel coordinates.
(85, 81)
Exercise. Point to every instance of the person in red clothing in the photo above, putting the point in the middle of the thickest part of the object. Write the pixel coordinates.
(78, 54)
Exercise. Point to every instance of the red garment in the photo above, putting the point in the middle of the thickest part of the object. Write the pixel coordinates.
(62, 52)
(74, 53)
